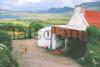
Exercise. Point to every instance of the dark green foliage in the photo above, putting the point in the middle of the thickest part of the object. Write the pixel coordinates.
(10, 26)
(6, 24)
(6, 59)
(92, 58)
(34, 27)
(5, 39)
(94, 33)
(15, 28)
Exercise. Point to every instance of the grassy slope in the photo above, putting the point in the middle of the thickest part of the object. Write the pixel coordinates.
(46, 18)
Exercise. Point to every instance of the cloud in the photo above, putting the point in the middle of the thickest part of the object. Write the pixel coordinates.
(42, 4)
(27, 2)
(32, 0)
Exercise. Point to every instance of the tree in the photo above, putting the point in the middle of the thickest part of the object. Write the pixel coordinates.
(35, 26)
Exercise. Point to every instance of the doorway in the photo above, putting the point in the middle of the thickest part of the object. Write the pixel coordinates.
(60, 41)
(77, 48)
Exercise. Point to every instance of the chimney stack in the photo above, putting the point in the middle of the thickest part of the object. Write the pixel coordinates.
(79, 9)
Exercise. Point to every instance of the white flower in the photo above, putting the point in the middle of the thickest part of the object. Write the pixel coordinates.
(94, 61)
(91, 51)
(1, 48)
(1, 45)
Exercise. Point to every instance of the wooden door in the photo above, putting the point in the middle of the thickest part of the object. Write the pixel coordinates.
(76, 47)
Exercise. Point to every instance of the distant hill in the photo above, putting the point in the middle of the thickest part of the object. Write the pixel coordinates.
(88, 5)
(58, 10)
(92, 5)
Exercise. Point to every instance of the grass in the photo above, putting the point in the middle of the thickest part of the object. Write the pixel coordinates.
(15, 22)
(45, 17)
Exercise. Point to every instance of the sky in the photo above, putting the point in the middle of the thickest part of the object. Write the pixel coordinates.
(29, 5)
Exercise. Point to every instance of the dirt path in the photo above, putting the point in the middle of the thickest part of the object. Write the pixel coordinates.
(35, 56)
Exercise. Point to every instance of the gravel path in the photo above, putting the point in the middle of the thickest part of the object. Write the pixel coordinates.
(28, 54)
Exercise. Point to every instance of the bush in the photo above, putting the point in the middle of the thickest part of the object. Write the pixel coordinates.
(35, 27)
(94, 33)
(92, 58)
(6, 59)
(5, 39)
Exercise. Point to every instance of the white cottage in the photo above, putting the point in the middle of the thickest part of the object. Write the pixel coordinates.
(44, 36)
(74, 33)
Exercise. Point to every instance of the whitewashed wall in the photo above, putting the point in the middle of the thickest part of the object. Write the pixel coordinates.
(43, 39)
(78, 21)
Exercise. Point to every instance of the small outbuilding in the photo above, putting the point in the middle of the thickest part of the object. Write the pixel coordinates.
(73, 36)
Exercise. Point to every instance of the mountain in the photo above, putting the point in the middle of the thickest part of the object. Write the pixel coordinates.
(59, 10)
(87, 5)
(92, 5)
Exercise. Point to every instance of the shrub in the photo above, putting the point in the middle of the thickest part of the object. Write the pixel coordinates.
(92, 58)
(94, 33)
(5, 39)
(35, 27)
(6, 59)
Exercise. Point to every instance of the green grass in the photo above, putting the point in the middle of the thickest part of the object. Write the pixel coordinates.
(45, 17)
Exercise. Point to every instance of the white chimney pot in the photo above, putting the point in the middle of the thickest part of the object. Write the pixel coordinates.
(79, 9)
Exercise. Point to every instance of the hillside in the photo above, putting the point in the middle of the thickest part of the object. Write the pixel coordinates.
(88, 5)
(58, 10)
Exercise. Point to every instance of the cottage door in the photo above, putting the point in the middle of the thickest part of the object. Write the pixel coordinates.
(76, 47)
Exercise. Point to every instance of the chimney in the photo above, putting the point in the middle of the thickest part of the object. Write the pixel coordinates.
(79, 9)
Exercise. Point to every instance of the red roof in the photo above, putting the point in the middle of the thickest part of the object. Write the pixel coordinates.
(93, 17)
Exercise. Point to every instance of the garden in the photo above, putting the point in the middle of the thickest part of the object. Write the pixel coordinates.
(92, 57)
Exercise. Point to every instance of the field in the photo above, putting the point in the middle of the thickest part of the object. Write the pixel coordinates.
(27, 18)
(46, 19)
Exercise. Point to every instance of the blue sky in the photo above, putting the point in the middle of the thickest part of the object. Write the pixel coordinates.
(29, 5)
